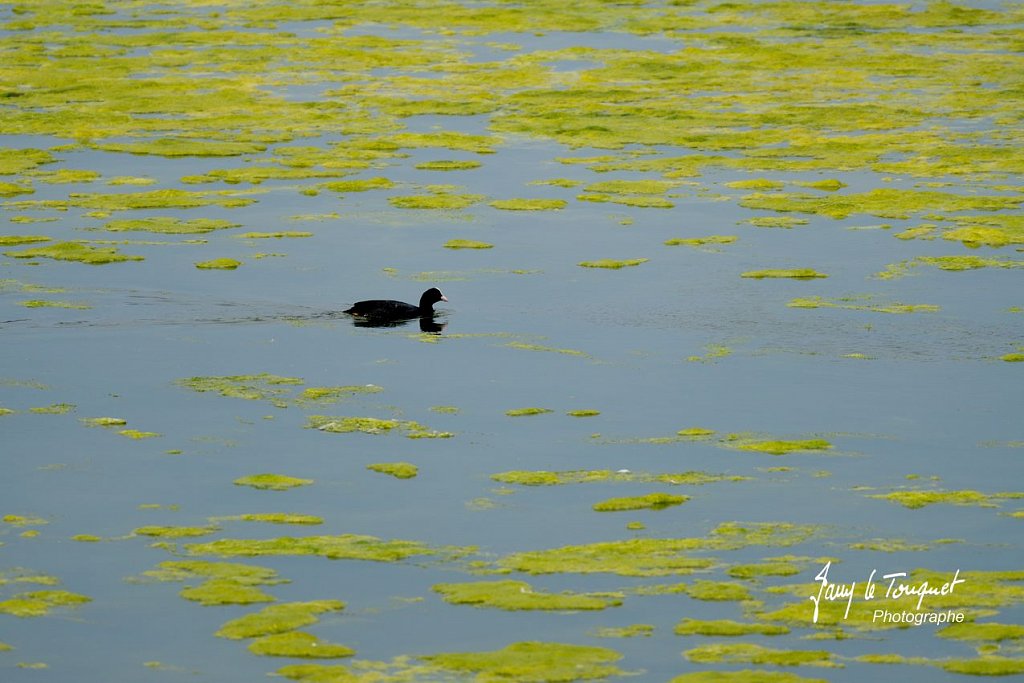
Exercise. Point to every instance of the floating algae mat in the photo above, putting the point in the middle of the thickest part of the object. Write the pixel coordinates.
(730, 390)
(519, 595)
(74, 251)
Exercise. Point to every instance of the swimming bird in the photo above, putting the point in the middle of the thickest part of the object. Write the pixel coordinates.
(386, 309)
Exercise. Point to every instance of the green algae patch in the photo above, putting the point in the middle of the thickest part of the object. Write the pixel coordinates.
(14, 189)
(532, 662)
(794, 273)
(923, 231)
(258, 387)
(75, 251)
(40, 603)
(334, 215)
(181, 147)
(882, 202)
(366, 185)
(256, 175)
(612, 264)
(298, 644)
(15, 161)
(755, 571)
(448, 165)
(829, 185)
(272, 518)
(218, 264)
(276, 619)
(280, 234)
(631, 631)
(988, 237)
(373, 425)
(632, 186)
(548, 478)
(585, 412)
(519, 595)
(531, 478)
(467, 244)
(15, 240)
(558, 182)
(1012, 357)
(158, 199)
(995, 231)
(523, 412)
(550, 349)
(529, 204)
(701, 241)
(333, 394)
(175, 531)
(726, 627)
(166, 225)
(23, 520)
(717, 591)
(49, 303)
(967, 262)
(272, 482)
(137, 434)
(893, 659)
(890, 545)
(225, 592)
(949, 263)
(734, 535)
(221, 573)
(398, 470)
(695, 432)
(438, 201)
(780, 447)
(744, 676)
(632, 557)
(776, 221)
(973, 631)
(323, 673)
(756, 184)
(749, 653)
(861, 304)
(452, 140)
(638, 201)
(53, 409)
(714, 352)
(20, 575)
(342, 547)
(650, 501)
(920, 499)
(131, 180)
(984, 666)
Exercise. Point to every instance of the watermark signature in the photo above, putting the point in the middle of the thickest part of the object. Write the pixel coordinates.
(895, 587)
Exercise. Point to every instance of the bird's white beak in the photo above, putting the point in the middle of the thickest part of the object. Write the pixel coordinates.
(444, 298)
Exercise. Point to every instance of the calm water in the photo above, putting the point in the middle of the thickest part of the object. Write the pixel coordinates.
(680, 341)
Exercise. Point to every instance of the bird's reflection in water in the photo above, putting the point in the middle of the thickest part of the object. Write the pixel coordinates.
(431, 326)
(427, 323)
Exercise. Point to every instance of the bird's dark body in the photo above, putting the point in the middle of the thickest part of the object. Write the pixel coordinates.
(381, 308)
(387, 309)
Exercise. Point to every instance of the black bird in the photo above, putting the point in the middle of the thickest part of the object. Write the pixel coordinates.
(384, 310)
